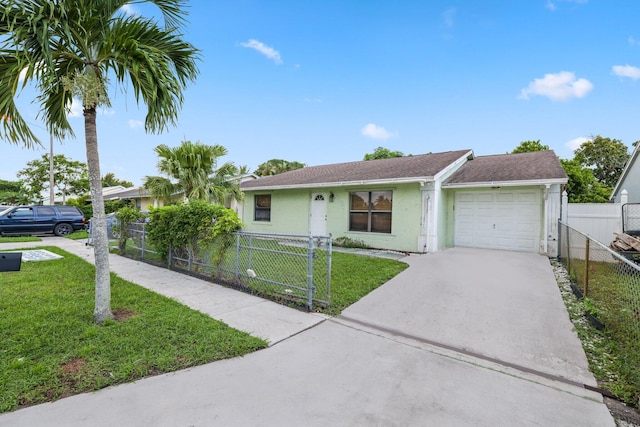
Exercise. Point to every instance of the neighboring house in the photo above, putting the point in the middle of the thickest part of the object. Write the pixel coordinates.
(629, 180)
(139, 196)
(421, 203)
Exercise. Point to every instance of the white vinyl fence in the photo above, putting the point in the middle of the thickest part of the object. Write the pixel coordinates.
(599, 221)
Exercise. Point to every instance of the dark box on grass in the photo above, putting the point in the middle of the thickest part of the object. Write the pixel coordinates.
(10, 261)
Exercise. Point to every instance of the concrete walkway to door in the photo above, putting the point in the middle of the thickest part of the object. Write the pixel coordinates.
(461, 338)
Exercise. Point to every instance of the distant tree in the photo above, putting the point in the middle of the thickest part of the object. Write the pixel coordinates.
(70, 177)
(607, 157)
(530, 146)
(382, 153)
(276, 166)
(12, 193)
(191, 170)
(110, 180)
(583, 186)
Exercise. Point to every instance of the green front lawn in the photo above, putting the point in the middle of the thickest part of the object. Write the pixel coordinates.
(50, 347)
(10, 239)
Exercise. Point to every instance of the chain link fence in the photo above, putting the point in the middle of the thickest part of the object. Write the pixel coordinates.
(292, 269)
(609, 282)
(631, 218)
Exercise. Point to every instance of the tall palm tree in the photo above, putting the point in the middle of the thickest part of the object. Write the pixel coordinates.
(70, 48)
(191, 170)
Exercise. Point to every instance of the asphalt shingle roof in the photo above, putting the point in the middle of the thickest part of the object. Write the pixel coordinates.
(539, 165)
(419, 166)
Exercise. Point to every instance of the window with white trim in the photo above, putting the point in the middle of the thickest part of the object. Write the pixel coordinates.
(370, 211)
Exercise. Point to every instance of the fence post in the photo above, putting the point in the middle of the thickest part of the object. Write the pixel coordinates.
(237, 275)
(144, 233)
(310, 274)
(586, 268)
(560, 248)
(329, 255)
(169, 258)
(249, 252)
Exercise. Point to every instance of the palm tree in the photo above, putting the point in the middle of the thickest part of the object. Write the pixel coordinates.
(71, 48)
(191, 171)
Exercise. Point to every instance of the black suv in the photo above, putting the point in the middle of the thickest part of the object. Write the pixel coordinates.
(60, 220)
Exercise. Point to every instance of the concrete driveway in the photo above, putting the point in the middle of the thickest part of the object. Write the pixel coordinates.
(461, 338)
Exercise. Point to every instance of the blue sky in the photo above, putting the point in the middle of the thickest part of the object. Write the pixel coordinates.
(327, 81)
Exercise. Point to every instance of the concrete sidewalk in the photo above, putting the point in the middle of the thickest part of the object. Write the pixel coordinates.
(256, 316)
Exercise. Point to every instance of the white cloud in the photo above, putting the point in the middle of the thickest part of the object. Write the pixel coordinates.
(267, 51)
(575, 143)
(626, 71)
(76, 109)
(376, 132)
(553, 5)
(106, 111)
(448, 17)
(557, 87)
(127, 9)
(133, 124)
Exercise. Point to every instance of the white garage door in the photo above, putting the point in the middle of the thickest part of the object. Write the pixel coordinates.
(498, 219)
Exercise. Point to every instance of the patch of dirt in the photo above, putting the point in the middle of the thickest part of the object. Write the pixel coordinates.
(625, 416)
(74, 366)
(122, 314)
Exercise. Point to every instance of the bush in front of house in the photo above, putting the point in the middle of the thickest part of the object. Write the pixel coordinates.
(190, 225)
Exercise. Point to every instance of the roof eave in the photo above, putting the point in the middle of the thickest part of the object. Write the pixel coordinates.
(520, 183)
(421, 180)
(625, 171)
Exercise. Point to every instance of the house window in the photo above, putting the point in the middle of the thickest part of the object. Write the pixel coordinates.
(262, 211)
(370, 211)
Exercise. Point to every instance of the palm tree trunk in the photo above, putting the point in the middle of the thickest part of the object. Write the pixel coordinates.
(102, 309)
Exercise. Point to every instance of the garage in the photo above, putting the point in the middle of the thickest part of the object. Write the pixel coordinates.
(507, 219)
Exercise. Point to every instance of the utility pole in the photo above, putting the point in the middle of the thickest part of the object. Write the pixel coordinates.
(51, 192)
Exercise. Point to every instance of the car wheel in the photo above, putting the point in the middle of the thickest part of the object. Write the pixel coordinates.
(62, 229)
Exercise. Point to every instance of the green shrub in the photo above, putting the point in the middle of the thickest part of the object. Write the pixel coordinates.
(125, 217)
(347, 242)
(84, 204)
(193, 224)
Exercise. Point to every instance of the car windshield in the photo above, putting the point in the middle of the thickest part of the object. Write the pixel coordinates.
(5, 209)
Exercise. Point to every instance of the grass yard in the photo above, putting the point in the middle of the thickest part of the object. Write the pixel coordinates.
(50, 347)
(354, 276)
(78, 235)
(11, 239)
(613, 296)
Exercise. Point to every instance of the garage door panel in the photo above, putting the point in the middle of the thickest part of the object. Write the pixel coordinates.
(498, 219)
(484, 198)
(505, 197)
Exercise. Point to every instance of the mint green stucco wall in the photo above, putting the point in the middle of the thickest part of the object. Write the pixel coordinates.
(290, 215)
(289, 212)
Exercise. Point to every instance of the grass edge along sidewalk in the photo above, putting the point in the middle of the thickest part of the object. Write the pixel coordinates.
(50, 347)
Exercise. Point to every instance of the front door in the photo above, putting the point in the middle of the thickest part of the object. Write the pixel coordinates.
(318, 215)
